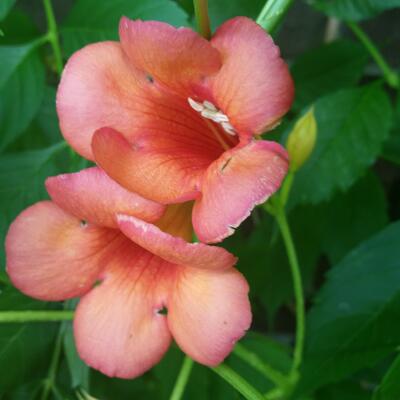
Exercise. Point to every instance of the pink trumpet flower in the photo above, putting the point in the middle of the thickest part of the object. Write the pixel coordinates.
(173, 117)
(140, 284)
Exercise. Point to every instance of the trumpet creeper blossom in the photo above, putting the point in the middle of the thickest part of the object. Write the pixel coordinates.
(140, 284)
(173, 117)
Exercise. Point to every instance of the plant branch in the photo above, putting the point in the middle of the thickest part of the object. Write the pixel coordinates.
(202, 18)
(182, 380)
(52, 35)
(390, 76)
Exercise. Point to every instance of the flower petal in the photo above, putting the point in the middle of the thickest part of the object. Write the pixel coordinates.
(158, 170)
(254, 87)
(51, 256)
(208, 312)
(177, 57)
(239, 180)
(100, 87)
(93, 92)
(92, 196)
(174, 249)
(118, 326)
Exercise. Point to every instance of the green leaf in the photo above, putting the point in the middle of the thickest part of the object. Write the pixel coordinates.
(47, 116)
(22, 177)
(262, 255)
(5, 7)
(352, 324)
(11, 57)
(391, 148)
(77, 368)
(18, 28)
(354, 10)
(364, 204)
(43, 131)
(389, 389)
(24, 348)
(352, 126)
(270, 351)
(166, 372)
(26, 391)
(222, 10)
(22, 85)
(96, 20)
(103, 387)
(327, 69)
(346, 390)
(263, 259)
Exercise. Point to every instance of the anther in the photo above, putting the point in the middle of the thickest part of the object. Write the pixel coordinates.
(195, 105)
(209, 105)
(209, 111)
(229, 129)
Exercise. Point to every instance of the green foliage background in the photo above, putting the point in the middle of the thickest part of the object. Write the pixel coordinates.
(343, 210)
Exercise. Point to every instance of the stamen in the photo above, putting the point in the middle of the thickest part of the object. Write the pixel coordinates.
(195, 105)
(228, 128)
(209, 105)
(209, 111)
(206, 113)
(214, 130)
(219, 117)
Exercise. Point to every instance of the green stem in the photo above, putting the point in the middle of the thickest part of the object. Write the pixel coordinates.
(253, 360)
(182, 380)
(202, 19)
(51, 376)
(35, 316)
(52, 35)
(390, 76)
(272, 14)
(297, 284)
(286, 186)
(238, 382)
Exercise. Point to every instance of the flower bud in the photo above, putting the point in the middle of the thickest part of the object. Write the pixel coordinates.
(301, 140)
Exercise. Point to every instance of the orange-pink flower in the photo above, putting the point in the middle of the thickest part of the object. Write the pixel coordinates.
(95, 240)
(173, 117)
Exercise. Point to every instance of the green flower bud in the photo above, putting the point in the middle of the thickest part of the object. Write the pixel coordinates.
(301, 140)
